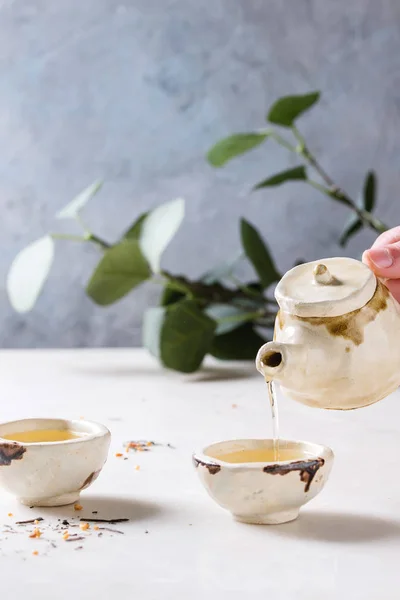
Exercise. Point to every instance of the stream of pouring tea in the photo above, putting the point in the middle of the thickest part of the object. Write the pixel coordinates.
(275, 417)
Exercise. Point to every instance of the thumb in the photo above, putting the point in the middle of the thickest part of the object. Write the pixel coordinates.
(384, 260)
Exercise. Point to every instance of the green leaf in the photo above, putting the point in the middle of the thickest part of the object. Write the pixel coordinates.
(180, 335)
(158, 228)
(353, 226)
(28, 273)
(242, 343)
(366, 202)
(297, 173)
(72, 210)
(258, 254)
(221, 271)
(227, 317)
(122, 268)
(134, 231)
(369, 193)
(233, 146)
(287, 109)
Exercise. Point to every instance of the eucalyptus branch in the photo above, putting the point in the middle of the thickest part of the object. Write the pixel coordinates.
(304, 151)
(215, 293)
(88, 237)
(333, 190)
(280, 140)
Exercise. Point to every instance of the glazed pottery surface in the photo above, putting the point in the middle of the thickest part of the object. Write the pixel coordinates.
(267, 492)
(336, 336)
(52, 473)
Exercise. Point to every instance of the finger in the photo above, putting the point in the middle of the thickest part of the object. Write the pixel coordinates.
(394, 287)
(384, 260)
(388, 237)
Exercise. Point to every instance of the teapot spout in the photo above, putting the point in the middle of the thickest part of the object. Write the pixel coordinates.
(281, 362)
(270, 360)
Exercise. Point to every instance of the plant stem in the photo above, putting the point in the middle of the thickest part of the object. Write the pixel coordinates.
(253, 294)
(333, 190)
(91, 237)
(171, 282)
(215, 293)
(88, 237)
(67, 236)
(275, 136)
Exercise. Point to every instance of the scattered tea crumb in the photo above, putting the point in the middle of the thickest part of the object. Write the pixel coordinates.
(29, 521)
(125, 458)
(143, 445)
(63, 528)
(36, 533)
(111, 521)
(112, 530)
(234, 405)
(118, 454)
(146, 531)
(10, 515)
(137, 467)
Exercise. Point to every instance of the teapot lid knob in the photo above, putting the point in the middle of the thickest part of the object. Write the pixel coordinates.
(322, 276)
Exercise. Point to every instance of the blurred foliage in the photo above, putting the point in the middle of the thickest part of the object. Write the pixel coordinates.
(216, 314)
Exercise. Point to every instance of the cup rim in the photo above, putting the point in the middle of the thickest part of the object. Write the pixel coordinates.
(320, 451)
(91, 429)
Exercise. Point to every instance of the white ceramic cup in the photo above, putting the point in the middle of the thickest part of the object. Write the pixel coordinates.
(52, 473)
(266, 493)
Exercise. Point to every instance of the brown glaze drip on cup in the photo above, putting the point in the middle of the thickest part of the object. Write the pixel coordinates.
(212, 468)
(307, 468)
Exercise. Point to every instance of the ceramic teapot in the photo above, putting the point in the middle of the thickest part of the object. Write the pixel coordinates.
(337, 336)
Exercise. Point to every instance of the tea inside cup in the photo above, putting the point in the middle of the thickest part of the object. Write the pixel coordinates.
(243, 477)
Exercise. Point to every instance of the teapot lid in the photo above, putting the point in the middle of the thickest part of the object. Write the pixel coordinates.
(326, 288)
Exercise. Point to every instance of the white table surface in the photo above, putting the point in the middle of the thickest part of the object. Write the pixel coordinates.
(346, 543)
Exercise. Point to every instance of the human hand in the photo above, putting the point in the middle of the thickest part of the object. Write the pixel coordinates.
(383, 258)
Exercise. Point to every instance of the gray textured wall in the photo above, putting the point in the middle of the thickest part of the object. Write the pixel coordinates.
(136, 92)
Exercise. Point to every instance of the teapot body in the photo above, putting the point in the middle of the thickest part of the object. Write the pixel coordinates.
(340, 362)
